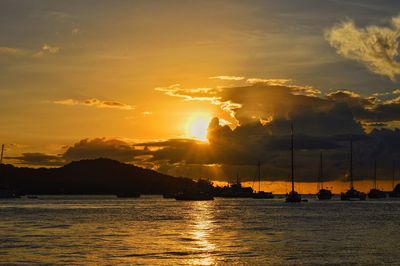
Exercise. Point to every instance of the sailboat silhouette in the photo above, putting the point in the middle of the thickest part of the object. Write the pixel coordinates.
(292, 196)
(352, 194)
(323, 194)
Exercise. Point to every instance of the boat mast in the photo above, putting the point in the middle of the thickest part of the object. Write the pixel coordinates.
(375, 174)
(393, 173)
(292, 156)
(351, 163)
(2, 151)
(320, 174)
(259, 176)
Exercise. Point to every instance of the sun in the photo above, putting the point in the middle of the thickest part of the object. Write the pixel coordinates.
(197, 126)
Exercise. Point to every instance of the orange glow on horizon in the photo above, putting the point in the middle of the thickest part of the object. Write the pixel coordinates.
(282, 187)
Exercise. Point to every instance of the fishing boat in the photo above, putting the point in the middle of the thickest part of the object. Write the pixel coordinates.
(236, 190)
(5, 192)
(261, 194)
(376, 193)
(292, 196)
(352, 193)
(323, 194)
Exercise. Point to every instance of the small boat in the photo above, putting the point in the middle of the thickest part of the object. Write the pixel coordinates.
(261, 194)
(323, 194)
(196, 196)
(128, 195)
(293, 196)
(31, 197)
(376, 193)
(352, 193)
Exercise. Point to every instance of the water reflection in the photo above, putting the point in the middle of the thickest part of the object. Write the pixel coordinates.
(201, 230)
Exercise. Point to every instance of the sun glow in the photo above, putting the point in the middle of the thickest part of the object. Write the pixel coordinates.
(197, 126)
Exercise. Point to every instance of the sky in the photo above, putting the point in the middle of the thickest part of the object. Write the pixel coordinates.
(202, 88)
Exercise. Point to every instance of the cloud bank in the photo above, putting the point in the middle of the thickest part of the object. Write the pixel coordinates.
(375, 46)
(264, 113)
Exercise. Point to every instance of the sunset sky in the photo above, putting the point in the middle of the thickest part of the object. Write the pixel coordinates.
(141, 81)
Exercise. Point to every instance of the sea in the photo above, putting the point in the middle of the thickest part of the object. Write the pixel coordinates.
(151, 230)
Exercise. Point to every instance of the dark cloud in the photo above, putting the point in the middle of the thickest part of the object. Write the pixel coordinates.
(101, 147)
(85, 149)
(39, 159)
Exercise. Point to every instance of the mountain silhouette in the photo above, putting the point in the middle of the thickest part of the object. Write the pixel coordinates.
(98, 176)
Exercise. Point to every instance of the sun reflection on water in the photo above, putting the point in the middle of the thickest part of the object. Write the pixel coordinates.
(201, 230)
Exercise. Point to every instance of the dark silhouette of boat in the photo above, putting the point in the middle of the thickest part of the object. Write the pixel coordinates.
(236, 190)
(376, 193)
(293, 196)
(352, 194)
(5, 192)
(128, 195)
(323, 194)
(261, 194)
(194, 196)
(395, 193)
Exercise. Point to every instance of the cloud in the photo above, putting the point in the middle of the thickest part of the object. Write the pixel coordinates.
(376, 47)
(272, 82)
(235, 78)
(13, 51)
(264, 112)
(39, 159)
(201, 94)
(84, 149)
(45, 49)
(96, 103)
(102, 148)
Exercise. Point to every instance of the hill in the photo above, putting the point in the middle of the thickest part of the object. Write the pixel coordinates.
(98, 176)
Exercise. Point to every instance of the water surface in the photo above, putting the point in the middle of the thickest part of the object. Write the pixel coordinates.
(155, 231)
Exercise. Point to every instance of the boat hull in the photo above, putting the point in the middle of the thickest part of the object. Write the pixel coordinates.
(293, 197)
(377, 194)
(263, 195)
(324, 194)
(353, 194)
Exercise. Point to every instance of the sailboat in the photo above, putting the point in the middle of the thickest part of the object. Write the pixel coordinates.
(323, 194)
(375, 193)
(261, 194)
(293, 196)
(352, 194)
(5, 193)
(395, 188)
